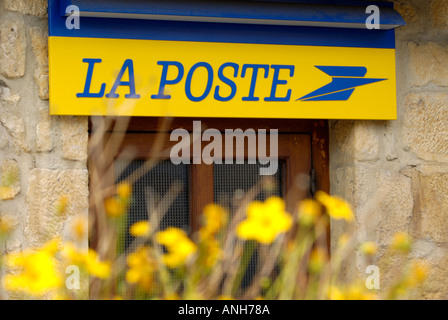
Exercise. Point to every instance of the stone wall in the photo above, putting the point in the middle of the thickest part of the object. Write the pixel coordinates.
(46, 156)
(395, 173)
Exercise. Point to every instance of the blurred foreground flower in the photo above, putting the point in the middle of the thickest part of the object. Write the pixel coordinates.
(265, 221)
(38, 272)
(62, 205)
(179, 246)
(318, 260)
(418, 274)
(309, 212)
(88, 260)
(337, 208)
(415, 275)
(351, 292)
(140, 229)
(210, 252)
(79, 228)
(215, 218)
(7, 225)
(6, 192)
(343, 240)
(124, 190)
(141, 269)
(116, 206)
(8, 179)
(401, 242)
(369, 248)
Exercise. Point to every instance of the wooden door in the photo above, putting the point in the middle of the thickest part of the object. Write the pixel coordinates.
(302, 153)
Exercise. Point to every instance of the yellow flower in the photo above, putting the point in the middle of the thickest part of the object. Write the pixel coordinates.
(140, 229)
(318, 259)
(114, 207)
(210, 252)
(117, 205)
(7, 224)
(95, 267)
(141, 269)
(38, 271)
(215, 218)
(334, 293)
(179, 246)
(60, 296)
(265, 221)
(369, 248)
(309, 212)
(79, 228)
(6, 192)
(337, 208)
(124, 190)
(343, 240)
(358, 292)
(72, 254)
(352, 292)
(87, 260)
(418, 273)
(62, 204)
(9, 176)
(401, 242)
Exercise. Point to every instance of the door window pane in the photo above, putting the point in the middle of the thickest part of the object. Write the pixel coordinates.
(150, 188)
(231, 181)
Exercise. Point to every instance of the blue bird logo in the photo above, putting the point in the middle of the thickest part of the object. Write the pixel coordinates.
(343, 84)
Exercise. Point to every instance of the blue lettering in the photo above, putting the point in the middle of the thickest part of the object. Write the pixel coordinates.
(87, 93)
(164, 81)
(253, 82)
(276, 82)
(190, 76)
(227, 81)
(128, 64)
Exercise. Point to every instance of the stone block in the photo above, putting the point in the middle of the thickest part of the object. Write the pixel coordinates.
(439, 14)
(433, 214)
(47, 188)
(425, 127)
(39, 44)
(392, 210)
(44, 140)
(427, 64)
(16, 129)
(31, 7)
(74, 137)
(12, 48)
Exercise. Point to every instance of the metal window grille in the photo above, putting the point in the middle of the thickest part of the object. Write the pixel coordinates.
(231, 182)
(149, 190)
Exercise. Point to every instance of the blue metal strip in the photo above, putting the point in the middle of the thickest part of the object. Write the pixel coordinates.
(268, 13)
(218, 32)
(333, 2)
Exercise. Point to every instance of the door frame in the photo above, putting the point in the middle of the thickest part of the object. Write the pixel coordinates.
(136, 128)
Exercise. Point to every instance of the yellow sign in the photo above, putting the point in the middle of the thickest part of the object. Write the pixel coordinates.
(126, 77)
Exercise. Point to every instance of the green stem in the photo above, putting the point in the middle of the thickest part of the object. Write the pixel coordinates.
(249, 250)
